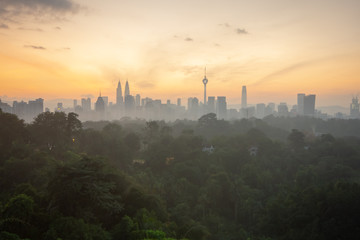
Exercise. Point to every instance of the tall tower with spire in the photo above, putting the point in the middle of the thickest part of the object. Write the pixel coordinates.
(243, 97)
(127, 89)
(205, 81)
(119, 96)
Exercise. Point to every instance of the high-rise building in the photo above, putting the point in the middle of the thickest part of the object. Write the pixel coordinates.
(260, 110)
(354, 108)
(205, 81)
(309, 105)
(59, 107)
(75, 103)
(119, 96)
(283, 109)
(137, 100)
(106, 101)
(194, 111)
(179, 102)
(189, 104)
(306, 104)
(221, 107)
(86, 104)
(243, 97)
(300, 103)
(35, 107)
(5, 107)
(129, 104)
(127, 89)
(100, 105)
(211, 105)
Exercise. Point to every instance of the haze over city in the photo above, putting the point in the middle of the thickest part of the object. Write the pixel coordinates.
(75, 48)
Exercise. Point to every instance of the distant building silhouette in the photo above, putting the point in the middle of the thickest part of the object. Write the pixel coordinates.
(300, 103)
(5, 107)
(127, 89)
(283, 109)
(129, 104)
(59, 107)
(119, 96)
(137, 100)
(106, 101)
(260, 110)
(86, 104)
(100, 105)
(243, 97)
(309, 105)
(306, 104)
(179, 102)
(221, 107)
(211, 105)
(354, 108)
(205, 81)
(75, 103)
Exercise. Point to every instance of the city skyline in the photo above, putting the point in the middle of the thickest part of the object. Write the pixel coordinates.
(277, 49)
(134, 106)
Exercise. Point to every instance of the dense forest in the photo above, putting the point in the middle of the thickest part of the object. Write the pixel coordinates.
(251, 179)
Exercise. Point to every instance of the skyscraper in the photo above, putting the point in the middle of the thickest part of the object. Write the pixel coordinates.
(309, 105)
(306, 104)
(99, 104)
(129, 104)
(119, 96)
(86, 104)
(243, 97)
(300, 103)
(354, 107)
(205, 81)
(221, 107)
(211, 105)
(137, 100)
(127, 89)
(106, 101)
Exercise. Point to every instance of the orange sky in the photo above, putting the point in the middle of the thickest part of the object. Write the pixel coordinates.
(72, 48)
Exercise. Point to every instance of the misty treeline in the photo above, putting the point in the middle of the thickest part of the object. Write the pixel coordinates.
(277, 178)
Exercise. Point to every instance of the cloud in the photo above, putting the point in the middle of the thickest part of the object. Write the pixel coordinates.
(241, 31)
(145, 84)
(12, 9)
(53, 5)
(30, 29)
(4, 26)
(298, 66)
(224, 25)
(57, 28)
(188, 39)
(35, 47)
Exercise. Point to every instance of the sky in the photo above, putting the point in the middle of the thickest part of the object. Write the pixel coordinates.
(69, 49)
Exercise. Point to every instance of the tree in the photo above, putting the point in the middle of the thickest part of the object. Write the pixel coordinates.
(55, 130)
(85, 189)
(296, 139)
(11, 129)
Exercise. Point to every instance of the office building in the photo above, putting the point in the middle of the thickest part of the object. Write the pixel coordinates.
(221, 107)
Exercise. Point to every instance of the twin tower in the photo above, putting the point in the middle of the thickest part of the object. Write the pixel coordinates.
(119, 95)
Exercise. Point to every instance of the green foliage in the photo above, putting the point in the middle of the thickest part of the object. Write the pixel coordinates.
(83, 188)
(12, 130)
(69, 228)
(60, 181)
